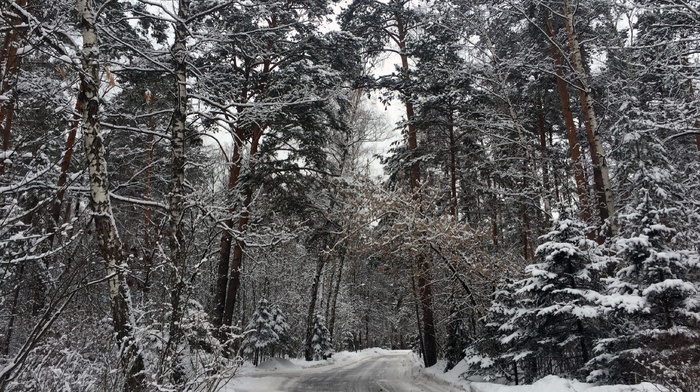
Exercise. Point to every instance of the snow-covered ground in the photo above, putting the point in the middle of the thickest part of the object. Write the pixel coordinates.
(286, 375)
(546, 384)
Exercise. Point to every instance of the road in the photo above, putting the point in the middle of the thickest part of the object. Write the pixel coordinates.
(391, 371)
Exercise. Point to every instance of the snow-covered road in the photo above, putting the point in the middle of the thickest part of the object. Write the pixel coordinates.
(374, 371)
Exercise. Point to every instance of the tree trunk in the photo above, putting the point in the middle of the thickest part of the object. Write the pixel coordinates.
(336, 289)
(65, 164)
(177, 198)
(237, 261)
(426, 296)
(603, 188)
(308, 349)
(147, 194)
(226, 235)
(108, 242)
(229, 274)
(574, 150)
(9, 329)
(328, 290)
(11, 63)
(453, 164)
(424, 280)
(544, 156)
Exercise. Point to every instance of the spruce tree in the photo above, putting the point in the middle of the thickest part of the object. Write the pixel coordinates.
(281, 328)
(551, 325)
(321, 340)
(260, 333)
(654, 302)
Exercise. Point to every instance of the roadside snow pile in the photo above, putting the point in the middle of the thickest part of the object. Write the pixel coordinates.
(546, 384)
(556, 384)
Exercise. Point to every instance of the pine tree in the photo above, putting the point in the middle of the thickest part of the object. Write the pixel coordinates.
(551, 326)
(321, 339)
(655, 303)
(489, 355)
(260, 333)
(281, 328)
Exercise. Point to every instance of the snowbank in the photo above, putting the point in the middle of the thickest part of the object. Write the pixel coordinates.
(546, 384)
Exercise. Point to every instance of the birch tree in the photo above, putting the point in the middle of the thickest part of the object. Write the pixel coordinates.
(109, 244)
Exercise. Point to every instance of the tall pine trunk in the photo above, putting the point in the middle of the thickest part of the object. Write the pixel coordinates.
(65, 164)
(229, 268)
(234, 282)
(564, 99)
(453, 163)
(424, 279)
(602, 185)
(308, 348)
(226, 235)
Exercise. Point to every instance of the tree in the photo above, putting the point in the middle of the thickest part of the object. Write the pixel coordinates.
(552, 326)
(654, 299)
(281, 328)
(109, 244)
(285, 89)
(261, 333)
(321, 339)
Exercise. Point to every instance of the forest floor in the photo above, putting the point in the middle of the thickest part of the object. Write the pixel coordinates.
(384, 370)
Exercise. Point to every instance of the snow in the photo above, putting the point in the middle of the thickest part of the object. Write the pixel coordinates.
(557, 384)
(546, 384)
(670, 284)
(271, 375)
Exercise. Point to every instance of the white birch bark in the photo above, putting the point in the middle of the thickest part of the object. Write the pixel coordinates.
(108, 242)
(176, 196)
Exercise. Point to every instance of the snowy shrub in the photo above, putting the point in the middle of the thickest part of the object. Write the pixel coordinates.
(56, 366)
(199, 362)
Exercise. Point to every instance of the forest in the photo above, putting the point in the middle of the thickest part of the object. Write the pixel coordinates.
(185, 185)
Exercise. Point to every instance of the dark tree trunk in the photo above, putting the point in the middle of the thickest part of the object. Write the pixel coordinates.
(574, 148)
(308, 349)
(453, 165)
(9, 329)
(10, 62)
(336, 289)
(239, 248)
(65, 164)
(601, 176)
(424, 281)
(226, 235)
(426, 296)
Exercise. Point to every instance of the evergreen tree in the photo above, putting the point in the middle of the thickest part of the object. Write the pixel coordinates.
(260, 333)
(551, 326)
(281, 328)
(321, 339)
(655, 304)
(488, 355)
